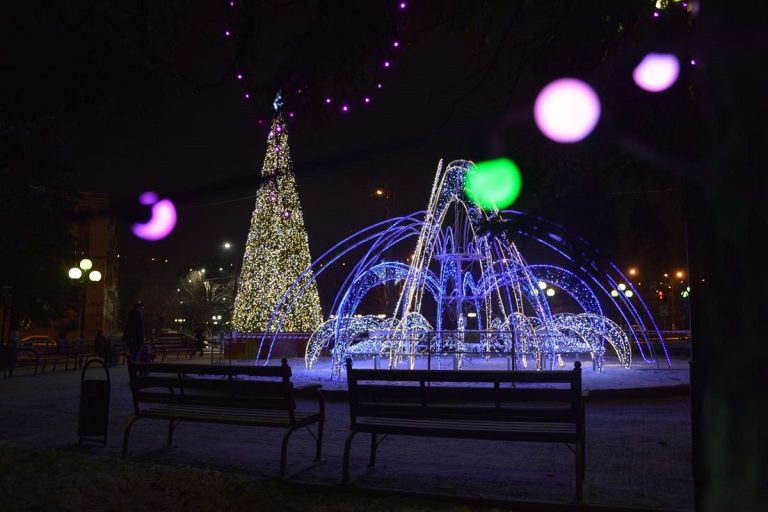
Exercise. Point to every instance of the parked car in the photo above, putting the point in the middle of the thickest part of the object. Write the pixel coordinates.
(39, 340)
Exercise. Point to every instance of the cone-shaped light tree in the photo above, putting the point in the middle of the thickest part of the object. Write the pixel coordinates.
(277, 250)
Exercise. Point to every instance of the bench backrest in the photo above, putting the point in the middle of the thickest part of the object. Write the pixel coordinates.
(247, 387)
(493, 395)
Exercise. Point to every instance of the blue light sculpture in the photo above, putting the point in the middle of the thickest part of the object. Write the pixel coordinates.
(465, 272)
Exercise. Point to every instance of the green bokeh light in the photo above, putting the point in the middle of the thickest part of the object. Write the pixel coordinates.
(493, 184)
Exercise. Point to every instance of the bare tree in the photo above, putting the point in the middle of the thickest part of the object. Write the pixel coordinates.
(201, 298)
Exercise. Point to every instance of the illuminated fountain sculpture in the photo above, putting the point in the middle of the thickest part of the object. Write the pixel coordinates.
(468, 288)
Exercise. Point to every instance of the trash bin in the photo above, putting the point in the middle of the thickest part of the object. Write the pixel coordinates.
(93, 418)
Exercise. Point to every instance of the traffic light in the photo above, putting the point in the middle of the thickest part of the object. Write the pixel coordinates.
(661, 295)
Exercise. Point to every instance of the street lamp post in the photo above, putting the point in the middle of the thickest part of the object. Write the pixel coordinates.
(84, 273)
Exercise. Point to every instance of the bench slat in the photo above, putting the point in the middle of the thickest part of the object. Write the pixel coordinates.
(471, 424)
(205, 382)
(477, 429)
(562, 414)
(273, 403)
(188, 412)
(383, 393)
(463, 376)
(202, 369)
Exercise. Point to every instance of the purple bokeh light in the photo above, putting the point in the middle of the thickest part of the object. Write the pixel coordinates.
(345, 108)
(366, 99)
(657, 72)
(160, 224)
(396, 44)
(566, 110)
(239, 76)
(403, 5)
(387, 63)
(148, 198)
(379, 85)
(327, 101)
(227, 33)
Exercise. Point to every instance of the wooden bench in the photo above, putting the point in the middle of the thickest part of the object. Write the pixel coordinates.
(474, 404)
(79, 351)
(167, 345)
(42, 358)
(261, 396)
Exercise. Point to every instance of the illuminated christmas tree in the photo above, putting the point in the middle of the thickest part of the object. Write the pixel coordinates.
(277, 250)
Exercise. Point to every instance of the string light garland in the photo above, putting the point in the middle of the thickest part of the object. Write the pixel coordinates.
(340, 105)
(277, 249)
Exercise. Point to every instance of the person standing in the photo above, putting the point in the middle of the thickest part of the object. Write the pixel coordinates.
(199, 339)
(133, 334)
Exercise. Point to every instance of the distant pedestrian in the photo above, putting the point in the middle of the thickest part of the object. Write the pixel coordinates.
(199, 340)
(133, 334)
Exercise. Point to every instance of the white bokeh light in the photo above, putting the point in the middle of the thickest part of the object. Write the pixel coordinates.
(657, 72)
(566, 110)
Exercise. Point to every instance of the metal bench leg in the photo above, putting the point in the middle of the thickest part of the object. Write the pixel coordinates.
(319, 441)
(125, 437)
(345, 467)
(171, 428)
(579, 471)
(372, 460)
(284, 451)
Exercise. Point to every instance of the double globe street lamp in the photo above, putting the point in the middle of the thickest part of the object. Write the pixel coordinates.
(84, 273)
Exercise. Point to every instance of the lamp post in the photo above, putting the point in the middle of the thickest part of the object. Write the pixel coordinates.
(84, 273)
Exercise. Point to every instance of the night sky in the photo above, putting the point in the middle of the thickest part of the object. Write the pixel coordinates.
(461, 86)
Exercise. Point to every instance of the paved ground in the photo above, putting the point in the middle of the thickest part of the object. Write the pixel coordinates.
(638, 450)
